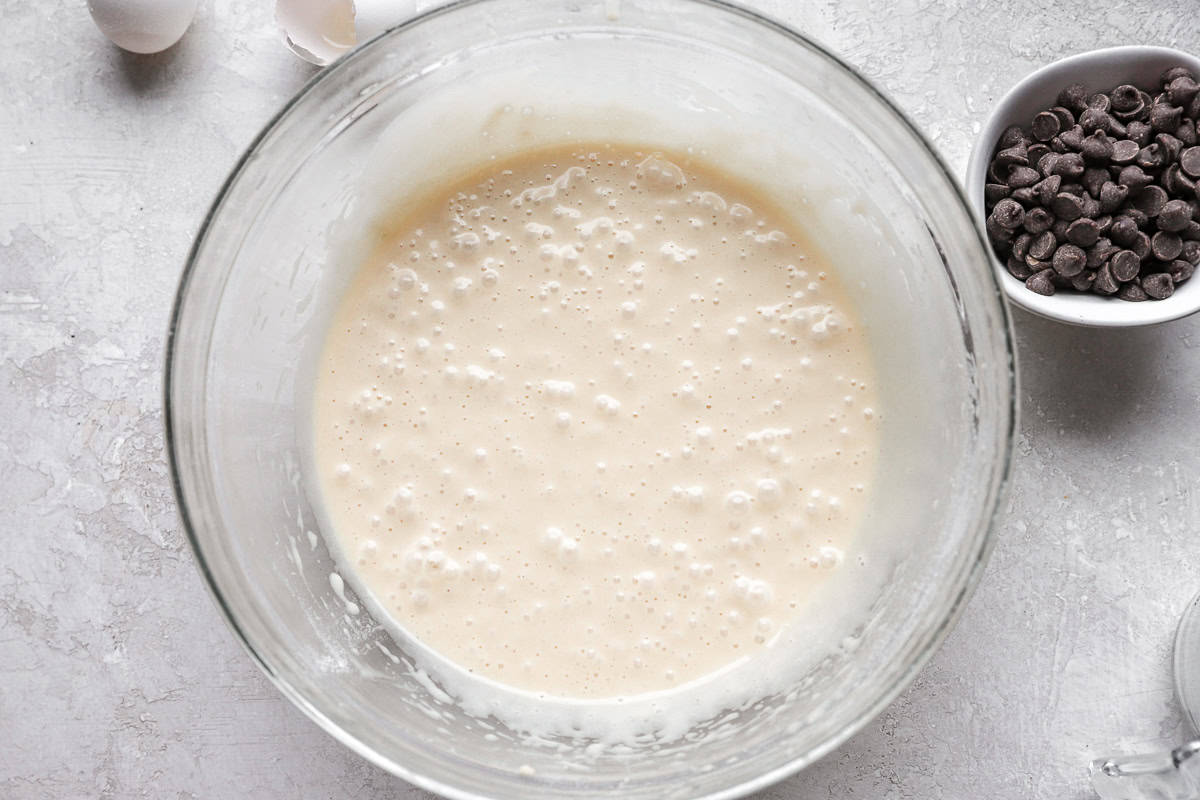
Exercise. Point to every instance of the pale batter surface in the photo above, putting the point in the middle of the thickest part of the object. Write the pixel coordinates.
(594, 422)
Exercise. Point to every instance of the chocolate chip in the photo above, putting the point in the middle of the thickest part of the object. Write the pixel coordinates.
(1024, 196)
(1097, 147)
(1124, 230)
(1069, 260)
(1046, 163)
(1093, 179)
(1112, 195)
(1082, 232)
(1038, 219)
(1059, 229)
(1181, 90)
(1173, 73)
(1186, 185)
(1158, 285)
(1071, 187)
(1072, 138)
(1191, 252)
(1105, 283)
(1024, 176)
(1181, 270)
(1018, 268)
(1124, 151)
(1186, 133)
(1139, 219)
(1020, 245)
(1131, 292)
(1135, 113)
(1012, 136)
(1048, 187)
(1149, 201)
(1124, 98)
(1189, 161)
(1008, 214)
(1069, 165)
(1165, 117)
(1125, 265)
(1043, 245)
(1046, 126)
(1141, 246)
(1175, 215)
(994, 193)
(1133, 177)
(1083, 281)
(1099, 101)
(1041, 282)
(1191, 232)
(1035, 152)
(1073, 97)
(1176, 182)
(1094, 119)
(1012, 156)
(1100, 252)
(1138, 132)
(1170, 146)
(1151, 157)
(1104, 224)
(1066, 117)
(1166, 246)
(996, 232)
(1066, 206)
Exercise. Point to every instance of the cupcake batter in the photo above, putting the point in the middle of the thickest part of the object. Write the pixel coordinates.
(594, 422)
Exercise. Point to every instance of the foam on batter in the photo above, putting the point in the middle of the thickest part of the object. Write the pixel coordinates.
(593, 423)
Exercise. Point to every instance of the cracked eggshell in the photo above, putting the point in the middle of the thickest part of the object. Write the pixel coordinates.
(317, 30)
(320, 31)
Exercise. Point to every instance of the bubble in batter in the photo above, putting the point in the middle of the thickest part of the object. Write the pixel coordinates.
(594, 422)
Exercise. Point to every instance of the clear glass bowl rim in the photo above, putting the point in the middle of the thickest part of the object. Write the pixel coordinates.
(981, 537)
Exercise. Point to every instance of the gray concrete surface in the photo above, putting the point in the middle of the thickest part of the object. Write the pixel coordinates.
(118, 678)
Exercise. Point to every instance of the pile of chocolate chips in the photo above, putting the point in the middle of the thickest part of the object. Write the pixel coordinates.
(1100, 193)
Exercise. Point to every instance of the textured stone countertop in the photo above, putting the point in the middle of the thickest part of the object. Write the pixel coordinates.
(118, 677)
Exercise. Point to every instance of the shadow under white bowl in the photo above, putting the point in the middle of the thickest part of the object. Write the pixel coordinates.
(1099, 71)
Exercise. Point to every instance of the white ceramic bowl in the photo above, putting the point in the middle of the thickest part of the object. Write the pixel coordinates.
(1099, 71)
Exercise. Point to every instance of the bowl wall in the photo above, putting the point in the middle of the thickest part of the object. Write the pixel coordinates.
(761, 101)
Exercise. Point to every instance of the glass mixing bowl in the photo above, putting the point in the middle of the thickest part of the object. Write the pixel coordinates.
(269, 263)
